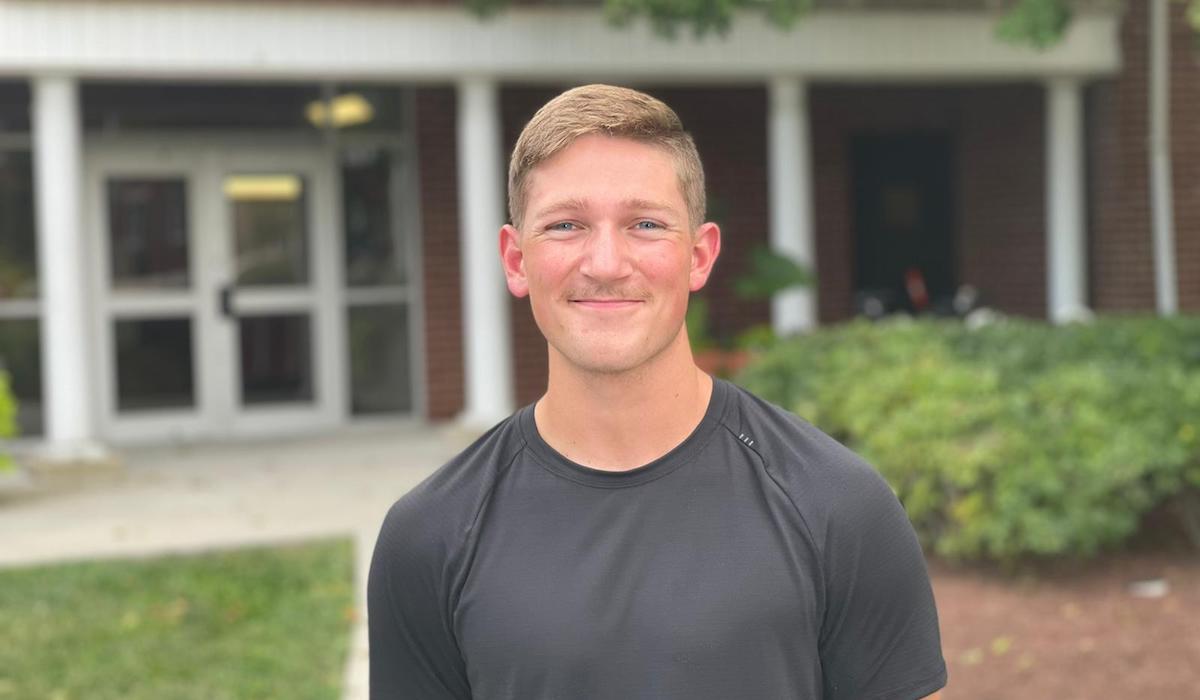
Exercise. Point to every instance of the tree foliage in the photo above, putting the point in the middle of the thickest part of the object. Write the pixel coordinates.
(1036, 23)
(703, 16)
(1039, 23)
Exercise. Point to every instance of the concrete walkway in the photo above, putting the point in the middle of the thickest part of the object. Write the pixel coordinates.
(214, 496)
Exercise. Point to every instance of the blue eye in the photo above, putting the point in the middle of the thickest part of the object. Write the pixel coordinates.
(562, 226)
(648, 225)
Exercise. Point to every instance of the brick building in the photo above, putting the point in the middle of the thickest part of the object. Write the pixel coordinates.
(222, 218)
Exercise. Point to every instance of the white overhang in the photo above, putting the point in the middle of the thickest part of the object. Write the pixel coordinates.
(244, 40)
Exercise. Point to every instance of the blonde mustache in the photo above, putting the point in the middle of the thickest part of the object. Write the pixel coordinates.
(601, 292)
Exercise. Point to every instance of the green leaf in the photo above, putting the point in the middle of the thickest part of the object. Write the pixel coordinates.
(770, 272)
(1037, 23)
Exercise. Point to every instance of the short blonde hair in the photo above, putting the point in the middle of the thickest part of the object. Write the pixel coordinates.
(612, 111)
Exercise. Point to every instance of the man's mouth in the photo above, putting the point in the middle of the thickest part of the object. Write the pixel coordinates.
(606, 304)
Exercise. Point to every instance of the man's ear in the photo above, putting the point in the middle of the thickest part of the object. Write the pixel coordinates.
(513, 260)
(706, 246)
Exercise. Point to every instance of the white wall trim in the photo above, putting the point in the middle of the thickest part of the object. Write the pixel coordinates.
(242, 40)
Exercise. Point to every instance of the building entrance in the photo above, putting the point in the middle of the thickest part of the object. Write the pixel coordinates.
(214, 280)
(904, 219)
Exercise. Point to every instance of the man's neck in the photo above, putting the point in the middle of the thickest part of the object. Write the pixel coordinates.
(618, 422)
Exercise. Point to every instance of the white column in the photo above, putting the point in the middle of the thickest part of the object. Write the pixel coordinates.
(61, 268)
(1162, 199)
(789, 164)
(1066, 251)
(487, 336)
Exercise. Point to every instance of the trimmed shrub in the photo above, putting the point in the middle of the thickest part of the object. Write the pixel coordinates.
(8, 418)
(1016, 439)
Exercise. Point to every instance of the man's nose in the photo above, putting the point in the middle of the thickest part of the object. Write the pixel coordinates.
(608, 255)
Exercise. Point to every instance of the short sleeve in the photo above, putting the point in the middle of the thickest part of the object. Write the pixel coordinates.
(879, 636)
(413, 652)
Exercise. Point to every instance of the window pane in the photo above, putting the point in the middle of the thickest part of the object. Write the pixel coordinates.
(18, 239)
(270, 228)
(14, 106)
(148, 235)
(114, 106)
(154, 364)
(20, 356)
(277, 362)
(380, 377)
(374, 243)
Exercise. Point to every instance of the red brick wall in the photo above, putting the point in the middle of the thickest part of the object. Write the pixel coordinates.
(729, 126)
(1121, 272)
(1185, 148)
(1002, 185)
(1122, 265)
(833, 216)
(438, 195)
(998, 184)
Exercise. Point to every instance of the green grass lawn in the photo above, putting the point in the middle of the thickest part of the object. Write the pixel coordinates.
(256, 623)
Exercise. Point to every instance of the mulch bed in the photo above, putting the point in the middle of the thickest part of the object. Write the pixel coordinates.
(1073, 631)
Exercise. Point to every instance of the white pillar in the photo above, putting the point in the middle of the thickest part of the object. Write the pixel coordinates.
(61, 268)
(789, 164)
(1066, 251)
(1162, 199)
(487, 337)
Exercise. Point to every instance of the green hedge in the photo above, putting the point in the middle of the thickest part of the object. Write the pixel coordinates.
(8, 418)
(1011, 440)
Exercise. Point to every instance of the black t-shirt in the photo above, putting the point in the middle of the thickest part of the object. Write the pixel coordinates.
(759, 560)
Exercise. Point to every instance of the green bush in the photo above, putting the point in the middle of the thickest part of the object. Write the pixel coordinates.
(8, 418)
(1016, 439)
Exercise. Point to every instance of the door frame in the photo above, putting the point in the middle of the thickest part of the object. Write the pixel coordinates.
(202, 163)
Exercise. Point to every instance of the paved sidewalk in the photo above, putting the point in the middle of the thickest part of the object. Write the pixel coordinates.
(214, 496)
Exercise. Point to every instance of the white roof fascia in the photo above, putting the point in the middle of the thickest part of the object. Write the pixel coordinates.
(252, 41)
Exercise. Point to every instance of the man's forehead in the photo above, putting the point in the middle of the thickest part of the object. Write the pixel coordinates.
(612, 166)
(592, 150)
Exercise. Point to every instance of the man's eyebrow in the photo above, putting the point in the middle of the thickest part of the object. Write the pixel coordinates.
(649, 204)
(570, 204)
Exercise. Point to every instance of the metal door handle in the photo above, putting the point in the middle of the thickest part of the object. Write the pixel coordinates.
(225, 297)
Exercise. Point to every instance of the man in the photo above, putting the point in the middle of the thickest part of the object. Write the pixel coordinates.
(643, 530)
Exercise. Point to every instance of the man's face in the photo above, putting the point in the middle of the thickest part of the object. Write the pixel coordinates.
(606, 253)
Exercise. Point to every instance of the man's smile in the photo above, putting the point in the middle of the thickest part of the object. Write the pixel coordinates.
(606, 304)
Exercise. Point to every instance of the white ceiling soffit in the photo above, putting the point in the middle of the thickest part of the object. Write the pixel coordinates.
(243, 40)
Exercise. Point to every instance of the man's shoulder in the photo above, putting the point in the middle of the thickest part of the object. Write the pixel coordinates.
(443, 507)
(783, 438)
(824, 478)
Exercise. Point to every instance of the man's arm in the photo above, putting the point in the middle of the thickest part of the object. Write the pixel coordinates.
(413, 652)
(880, 636)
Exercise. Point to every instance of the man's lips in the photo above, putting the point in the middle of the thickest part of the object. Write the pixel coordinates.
(606, 304)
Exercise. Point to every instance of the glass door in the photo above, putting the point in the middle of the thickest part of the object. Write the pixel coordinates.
(215, 291)
(149, 287)
(277, 295)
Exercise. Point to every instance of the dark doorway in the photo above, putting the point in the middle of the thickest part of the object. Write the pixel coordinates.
(904, 219)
